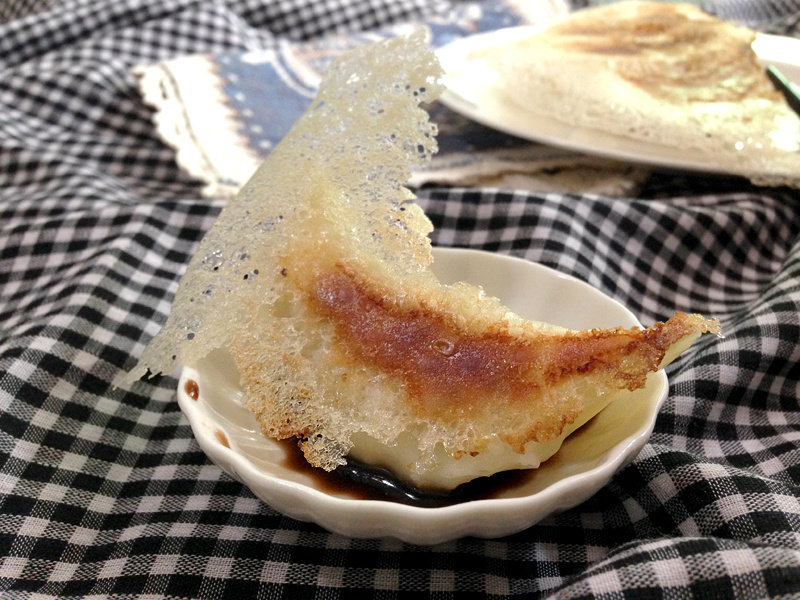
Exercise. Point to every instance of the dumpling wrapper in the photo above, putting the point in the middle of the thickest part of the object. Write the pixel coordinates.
(664, 73)
(316, 280)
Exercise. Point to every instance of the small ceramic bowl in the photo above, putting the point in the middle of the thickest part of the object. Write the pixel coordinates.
(209, 396)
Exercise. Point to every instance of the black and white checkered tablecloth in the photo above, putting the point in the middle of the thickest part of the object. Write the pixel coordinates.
(105, 493)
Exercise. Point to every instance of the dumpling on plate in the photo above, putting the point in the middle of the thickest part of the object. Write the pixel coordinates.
(316, 280)
(664, 73)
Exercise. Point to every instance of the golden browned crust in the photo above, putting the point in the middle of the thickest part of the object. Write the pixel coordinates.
(445, 369)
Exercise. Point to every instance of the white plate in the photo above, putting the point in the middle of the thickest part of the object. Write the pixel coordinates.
(230, 436)
(470, 92)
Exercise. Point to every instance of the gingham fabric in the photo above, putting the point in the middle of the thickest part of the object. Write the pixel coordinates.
(105, 494)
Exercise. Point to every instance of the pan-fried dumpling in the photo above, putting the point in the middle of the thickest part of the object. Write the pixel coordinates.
(317, 282)
(665, 73)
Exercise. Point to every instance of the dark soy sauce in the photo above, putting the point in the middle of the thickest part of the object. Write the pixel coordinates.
(366, 482)
(222, 438)
(192, 389)
(382, 481)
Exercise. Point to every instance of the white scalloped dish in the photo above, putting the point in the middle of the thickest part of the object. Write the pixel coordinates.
(231, 437)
